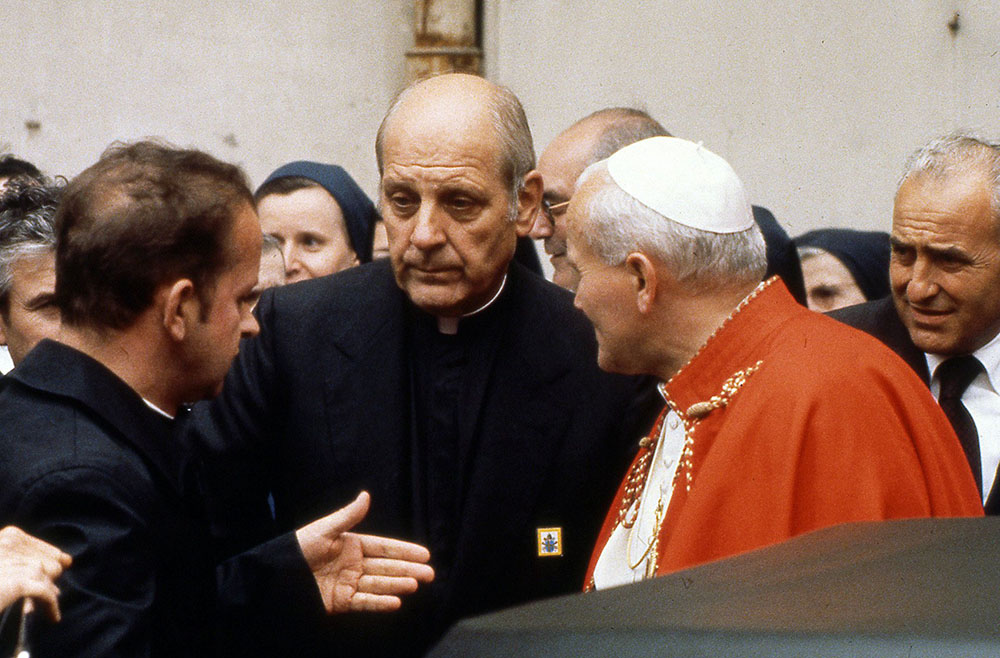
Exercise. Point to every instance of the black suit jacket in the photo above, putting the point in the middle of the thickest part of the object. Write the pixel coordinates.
(319, 406)
(86, 465)
(880, 319)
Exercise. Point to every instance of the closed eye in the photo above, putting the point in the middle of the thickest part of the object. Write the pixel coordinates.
(39, 302)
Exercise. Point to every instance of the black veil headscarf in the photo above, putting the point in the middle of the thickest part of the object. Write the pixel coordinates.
(360, 214)
(864, 253)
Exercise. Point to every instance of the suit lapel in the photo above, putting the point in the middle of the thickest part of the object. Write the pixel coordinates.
(366, 398)
(898, 338)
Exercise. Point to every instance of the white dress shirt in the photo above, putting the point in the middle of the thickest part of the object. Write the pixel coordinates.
(982, 400)
(6, 365)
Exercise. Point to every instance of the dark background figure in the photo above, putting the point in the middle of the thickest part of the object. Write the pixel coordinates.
(526, 254)
(12, 167)
(842, 267)
(27, 265)
(317, 237)
(782, 259)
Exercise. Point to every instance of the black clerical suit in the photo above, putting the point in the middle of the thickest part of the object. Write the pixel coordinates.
(880, 319)
(86, 465)
(470, 444)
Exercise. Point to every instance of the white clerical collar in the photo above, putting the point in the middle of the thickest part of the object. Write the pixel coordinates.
(157, 409)
(988, 355)
(450, 325)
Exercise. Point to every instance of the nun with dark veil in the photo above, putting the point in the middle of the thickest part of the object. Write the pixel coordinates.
(843, 267)
(322, 219)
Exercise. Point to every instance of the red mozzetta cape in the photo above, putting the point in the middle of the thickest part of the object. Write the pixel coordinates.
(830, 427)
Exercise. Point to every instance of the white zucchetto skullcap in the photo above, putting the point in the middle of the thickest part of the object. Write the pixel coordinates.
(683, 181)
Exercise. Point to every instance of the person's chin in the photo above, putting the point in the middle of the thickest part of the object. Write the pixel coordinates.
(933, 338)
(607, 362)
(565, 277)
(436, 299)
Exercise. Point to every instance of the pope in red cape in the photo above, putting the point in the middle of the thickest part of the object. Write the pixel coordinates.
(778, 420)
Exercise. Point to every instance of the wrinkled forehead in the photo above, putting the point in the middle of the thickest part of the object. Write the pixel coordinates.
(946, 207)
(431, 132)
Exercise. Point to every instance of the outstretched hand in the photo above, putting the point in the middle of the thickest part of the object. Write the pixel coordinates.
(28, 569)
(358, 572)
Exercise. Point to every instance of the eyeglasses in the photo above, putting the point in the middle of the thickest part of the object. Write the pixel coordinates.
(553, 210)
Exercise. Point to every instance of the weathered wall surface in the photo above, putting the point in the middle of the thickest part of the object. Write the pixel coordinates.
(257, 83)
(815, 103)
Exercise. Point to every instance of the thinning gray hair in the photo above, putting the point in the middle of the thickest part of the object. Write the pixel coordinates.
(622, 126)
(517, 150)
(27, 226)
(958, 153)
(618, 224)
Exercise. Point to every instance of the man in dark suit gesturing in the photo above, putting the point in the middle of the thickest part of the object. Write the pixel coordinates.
(156, 261)
(944, 314)
(457, 387)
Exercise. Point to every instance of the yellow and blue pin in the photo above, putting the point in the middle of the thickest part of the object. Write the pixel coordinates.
(550, 543)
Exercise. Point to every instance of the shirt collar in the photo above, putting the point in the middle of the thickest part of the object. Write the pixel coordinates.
(988, 355)
(450, 325)
(157, 409)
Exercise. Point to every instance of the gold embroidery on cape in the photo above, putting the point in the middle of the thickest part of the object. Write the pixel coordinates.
(635, 481)
(700, 410)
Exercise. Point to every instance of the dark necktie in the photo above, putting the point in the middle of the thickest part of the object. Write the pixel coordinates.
(955, 375)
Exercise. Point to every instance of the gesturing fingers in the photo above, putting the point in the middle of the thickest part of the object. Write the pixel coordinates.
(377, 566)
(362, 602)
(375, 546)
(393, 585)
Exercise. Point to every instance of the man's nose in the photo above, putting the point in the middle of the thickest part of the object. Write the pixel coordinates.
(542, 228)
(923, 281)
(291, 255)
(427, 230)
(248, 325)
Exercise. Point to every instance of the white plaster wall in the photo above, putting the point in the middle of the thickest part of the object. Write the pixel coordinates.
(815, 103)
(257, 83)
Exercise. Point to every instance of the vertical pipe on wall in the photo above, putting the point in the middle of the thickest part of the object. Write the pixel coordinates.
(446, 38)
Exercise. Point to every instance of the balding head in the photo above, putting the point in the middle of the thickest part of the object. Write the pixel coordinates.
(945, 263)
(455, 159)
(589, 140)
(446, 98)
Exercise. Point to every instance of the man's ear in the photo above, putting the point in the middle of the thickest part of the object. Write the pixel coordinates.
(3, 331)
(180, 307)
(529, 203)
(645, 278)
